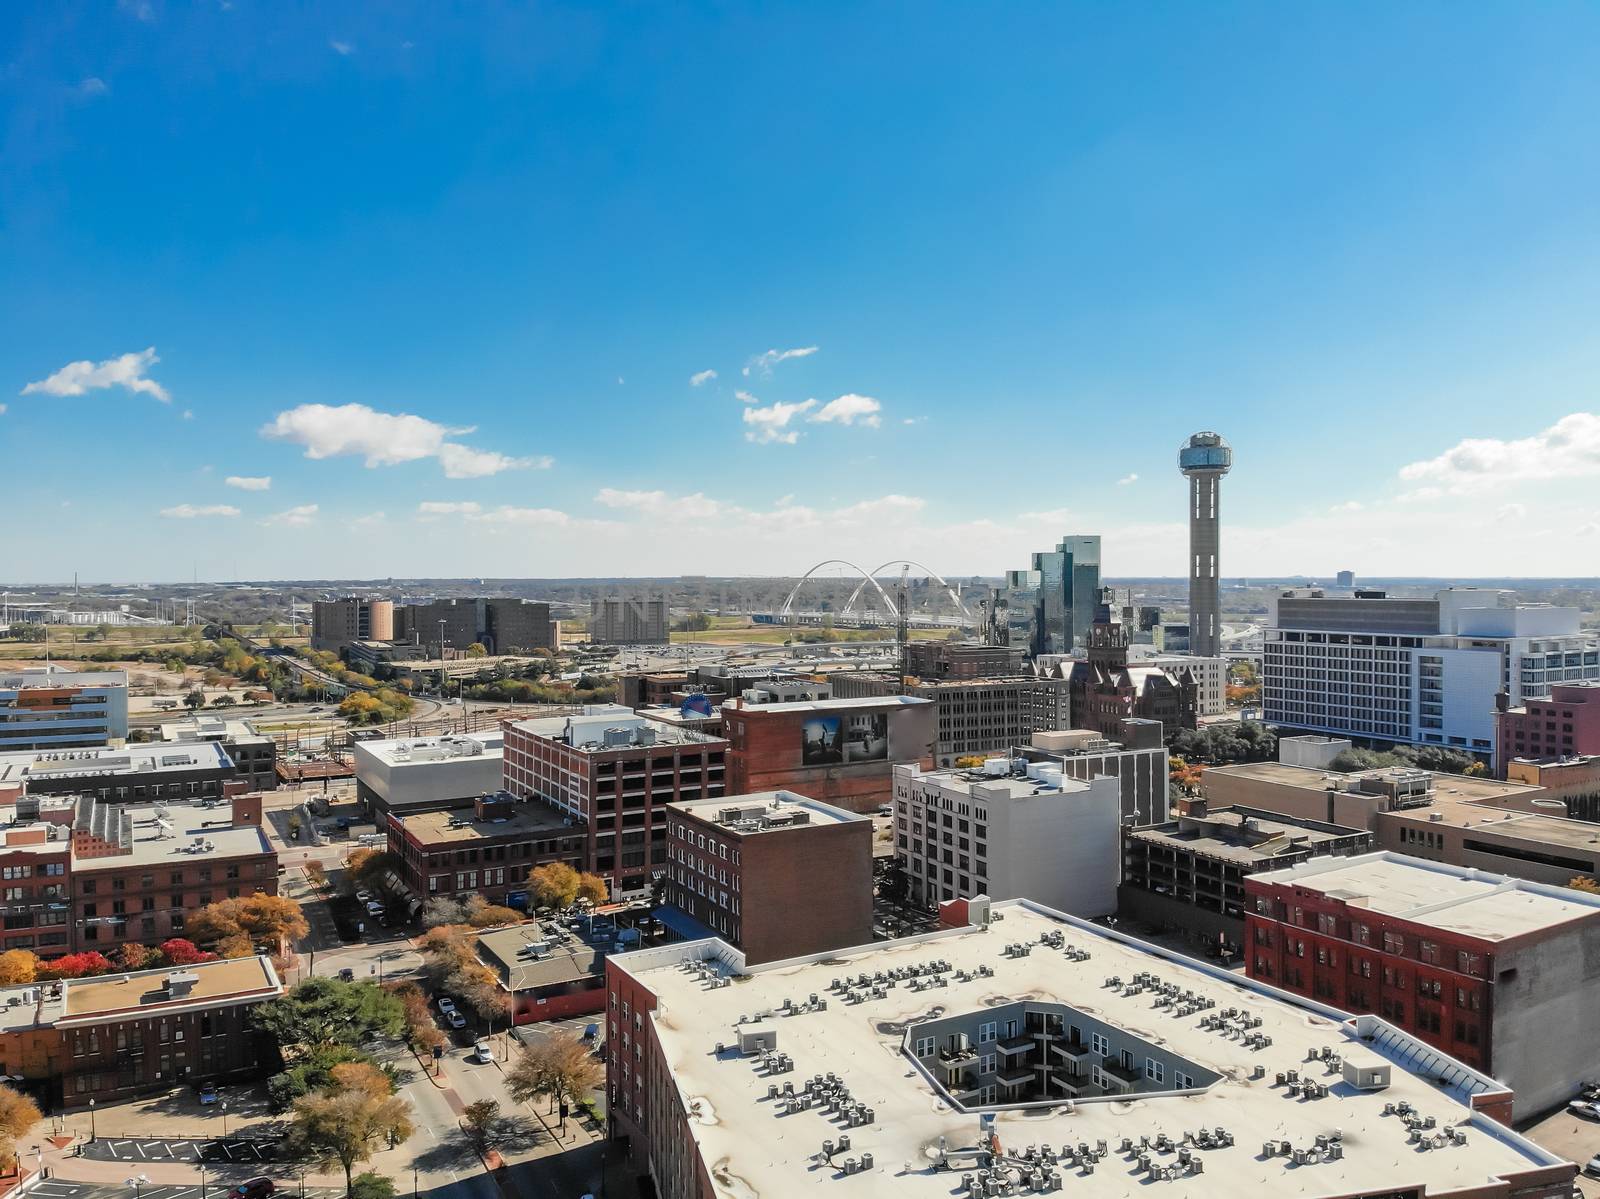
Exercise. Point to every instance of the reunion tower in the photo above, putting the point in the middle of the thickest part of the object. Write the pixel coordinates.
(1204, 459)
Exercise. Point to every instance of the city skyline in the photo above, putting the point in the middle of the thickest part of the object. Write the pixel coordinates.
(296, 295)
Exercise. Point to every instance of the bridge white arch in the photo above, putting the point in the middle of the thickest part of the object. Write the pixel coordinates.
(932, 574)
(865, 579)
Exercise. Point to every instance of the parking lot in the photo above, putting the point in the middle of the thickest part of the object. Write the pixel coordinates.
(223, 1152)
(1573, 1138)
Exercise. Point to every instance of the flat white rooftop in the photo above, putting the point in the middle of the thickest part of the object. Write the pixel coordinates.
(749, 1149)
(423, 751)
(765, 811)
(1455, 899)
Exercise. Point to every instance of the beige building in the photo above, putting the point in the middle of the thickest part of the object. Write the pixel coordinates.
(336, 623)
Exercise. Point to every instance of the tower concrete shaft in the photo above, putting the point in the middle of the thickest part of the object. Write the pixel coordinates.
(1204, 459)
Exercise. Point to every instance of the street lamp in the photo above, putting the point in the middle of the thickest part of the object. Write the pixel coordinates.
(91, 1118)
(300, 1171)
(413, 1180)
(224, 1120)
(202, 1180)
(138, 1182)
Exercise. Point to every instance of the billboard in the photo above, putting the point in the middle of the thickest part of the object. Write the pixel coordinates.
(841, 740)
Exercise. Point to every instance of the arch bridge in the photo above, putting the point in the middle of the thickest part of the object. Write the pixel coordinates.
(869, 578)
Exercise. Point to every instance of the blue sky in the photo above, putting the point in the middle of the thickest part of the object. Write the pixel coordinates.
(1028, 248)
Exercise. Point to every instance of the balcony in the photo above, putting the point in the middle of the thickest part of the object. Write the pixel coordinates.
(1073, 1051)
(1117, 1076)
(1015, 1045)
(1014, 1076)
(955, 1059)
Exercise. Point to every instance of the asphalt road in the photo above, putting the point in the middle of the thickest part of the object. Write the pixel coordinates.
(61, 1188)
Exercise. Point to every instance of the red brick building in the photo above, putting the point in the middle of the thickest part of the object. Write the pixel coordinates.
(486, 852)
(778, 875)
(35, 883)
(1496, 972)
(1564, 726)
(613, 772)
(839, 751)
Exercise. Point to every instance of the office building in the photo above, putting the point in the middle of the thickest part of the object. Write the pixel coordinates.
(1416, 671)
(625, 620)
(1204, 459)
(898, 1068)
(502, 625)
(487, 851)
(1016, 609)
(1346, 580)
(975, 716)
(336, 623)
(547, 971)
(132, 773)
(777, 875)
(1009, 831)
(839, 751)
(36, 863)
(1498, 973)
(1564, 725)
(254, 756)
(943, 661)
(1187, 875)
(82, 1041)
(419, 774)
(1106, 689)
(1069, 581)
(50, 707)
(613, 773)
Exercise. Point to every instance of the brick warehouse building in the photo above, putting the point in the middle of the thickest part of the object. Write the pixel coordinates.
(839, 751)
(613, 773)
(1498, 973)
(748, 866)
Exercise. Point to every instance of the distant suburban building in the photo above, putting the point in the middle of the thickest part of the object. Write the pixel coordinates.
(1415, 671)
(613, 773)
(840, 751)
(112, 1037)
(975, 715)
(501, 624)
(1345, 580)
(1187, 875)
(776, 874)
(418, 774)
(1496, 972)
(254, 756)
(624, 620)
(336, 623)
(487, 851)
(1008, 832)
(51, 707)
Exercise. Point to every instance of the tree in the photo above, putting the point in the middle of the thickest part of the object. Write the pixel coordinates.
(1582, 883)
(234, 927)
(554, 885)
(327, 1011)
(179, 951)
(443, 911)
(593, 888)
(491, 915)
(309, 1074)
(481, 1121)
(223, 701)
(132, 956)
(368, 866)
(560, 1067)
(477, 650)
(372, 1185)
(75, 965)
(18, 966)
(195, 699)
(348, 1121)
(18, 1114)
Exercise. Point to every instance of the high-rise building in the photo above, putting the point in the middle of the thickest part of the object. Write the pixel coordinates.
(624, 620)
(1069, 581)
(336, 623)
(501, 624)
(1345, 580)
(1204, 459)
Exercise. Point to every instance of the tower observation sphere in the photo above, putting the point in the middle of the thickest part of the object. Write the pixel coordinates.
(1204, 459)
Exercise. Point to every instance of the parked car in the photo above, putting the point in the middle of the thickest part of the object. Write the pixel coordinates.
(375, 909)
(1592, 1166)
(254, 1188)
(347, 975)
(208, 1093)
(455, 1019)
(363, 896)
(1582, 1107)
(591, 1031)
(446, 1004)
(483, 1050)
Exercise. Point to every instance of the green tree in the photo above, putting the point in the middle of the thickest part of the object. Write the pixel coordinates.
(477, 650)
(195, 699)
(347, 1122)
(371, 1185)
(327, 1011)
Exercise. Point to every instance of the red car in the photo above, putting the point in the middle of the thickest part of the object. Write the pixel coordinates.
(254, 1188)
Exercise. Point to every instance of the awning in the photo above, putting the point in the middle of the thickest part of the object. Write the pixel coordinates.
(682, 925)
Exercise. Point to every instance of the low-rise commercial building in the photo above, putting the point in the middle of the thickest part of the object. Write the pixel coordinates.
(1574, 781)
(945, 660)
(840, 751)
(51, 707)
(1188, 875)
(130, 774)
(613, 773)
(548, 976)
(1499, 973)
(420, 774)
(1008, 831)
(254, 755)
(97, 1040)
(487, 852)
(778, 875)
(895, 1069)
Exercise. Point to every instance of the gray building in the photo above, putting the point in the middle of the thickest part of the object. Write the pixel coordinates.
(625, 620)
(502, 624)
(255, 755)
(975, 715)
(1204, 459)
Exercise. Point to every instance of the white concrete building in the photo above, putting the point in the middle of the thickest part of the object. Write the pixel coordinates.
(1418, 671)
(416, 774)
(1009, 833)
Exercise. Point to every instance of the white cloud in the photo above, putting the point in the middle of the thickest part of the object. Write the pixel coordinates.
(744, 397)
(139, 9)
(1127, 479)
(1348, 506)
(342, 49)
(250, 482)
(700, 377)
(449, 508)
(127, 371)
(369, 519)
(187, 414)
(764, 362)
(192, 511)
(849, 410)
(885, 509)
(914, 420)
(293, 517)
(770, 424)
(388, 439)
(508, 515)
(1053, 516)
(1570, 448)
(659, 503)
(2, 409)
(1510, 513)
(90, 87)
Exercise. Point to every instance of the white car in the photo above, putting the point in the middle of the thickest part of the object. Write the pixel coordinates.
(1582, 1107)
(455, 1019)
(446, 1004)
(1592, 1166)
(483, 1049)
